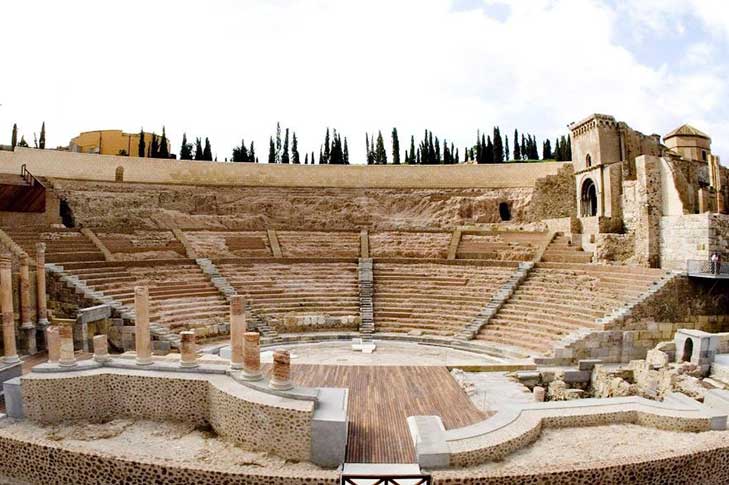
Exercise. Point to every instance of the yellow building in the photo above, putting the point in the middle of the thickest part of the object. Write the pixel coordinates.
(112, 142)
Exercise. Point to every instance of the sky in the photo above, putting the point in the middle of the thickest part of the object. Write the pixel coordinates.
(229, 70)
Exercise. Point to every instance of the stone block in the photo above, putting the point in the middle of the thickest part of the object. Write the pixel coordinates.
(587, 364)
(13, 398)
(576, 376)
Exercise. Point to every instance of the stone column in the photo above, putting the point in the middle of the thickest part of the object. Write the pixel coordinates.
(188, 350)
(252, 357)
(237, 329)
(53, 341)
(6, 305)
(40, 279)
(67, 357)
(281, 375)
(26, 321)
(101, 349)
(142, 336)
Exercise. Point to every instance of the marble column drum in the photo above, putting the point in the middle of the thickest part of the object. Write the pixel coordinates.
(101, 349)
(188, 349)
(142, 335)
(281, 375)
(237, 329)
(40, 281)
(26, 325)
(67, 358)
(252, 356)
(53, 341)
(6, 305)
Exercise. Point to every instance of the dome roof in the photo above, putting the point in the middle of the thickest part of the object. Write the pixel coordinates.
(687, 130)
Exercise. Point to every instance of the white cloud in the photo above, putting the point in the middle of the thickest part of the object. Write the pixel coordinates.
(232, 69)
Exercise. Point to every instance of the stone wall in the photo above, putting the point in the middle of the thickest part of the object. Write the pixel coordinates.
(252, 419)
(614, 248)
(52, 163)
(554, 196)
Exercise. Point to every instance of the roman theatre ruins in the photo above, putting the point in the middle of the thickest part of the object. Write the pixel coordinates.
(182, 322)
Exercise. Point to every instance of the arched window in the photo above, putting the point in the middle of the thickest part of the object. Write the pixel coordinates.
(588, 199)
(704, 157)
(688, 350)
(504, 211)
(588, 160)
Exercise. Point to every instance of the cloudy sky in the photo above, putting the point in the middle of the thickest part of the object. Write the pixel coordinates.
(232, 69)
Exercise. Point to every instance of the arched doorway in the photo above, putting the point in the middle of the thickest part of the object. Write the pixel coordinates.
(504, 211)
(66, 214)
(588, 199)
(688, 350)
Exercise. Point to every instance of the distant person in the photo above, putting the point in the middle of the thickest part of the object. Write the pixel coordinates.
(715, 263)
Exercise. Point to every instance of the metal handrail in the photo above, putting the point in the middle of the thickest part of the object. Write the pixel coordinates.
(387, 479)
(29, 178)
(705, 266)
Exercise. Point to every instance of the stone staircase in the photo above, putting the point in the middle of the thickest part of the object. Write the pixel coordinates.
(366, 293)
(218, 280)
(62, 245)
(498, 299)
(561, 250)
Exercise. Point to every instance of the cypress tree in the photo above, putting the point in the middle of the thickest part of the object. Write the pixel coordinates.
(395, 147)
(380, 152)
(271, 151)
(207, 151)
(418, 159)
(569, 148)
(547, 150)
(185, 149)
(458, 157)
(436, 158)
(14, 136)
(346, 152)
(498, 146)
(295, 150)
(326, 155)
(252, 155)
(285, 153)
(154, 147)
(22, 142)
(306, 158)
(524, 152)
(517, 148)
(142, 149)
(489, 151)
(507, 153)
(198, 149)
(42, 140)
(164, 152)
(278, 142)
(412, 149)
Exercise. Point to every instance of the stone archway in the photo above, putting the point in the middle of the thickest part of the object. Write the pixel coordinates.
(504, 211)
(588, 199)
(688, 350)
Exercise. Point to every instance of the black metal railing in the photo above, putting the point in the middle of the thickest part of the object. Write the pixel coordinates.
(706, 267)
(29, 178)
(387, 480)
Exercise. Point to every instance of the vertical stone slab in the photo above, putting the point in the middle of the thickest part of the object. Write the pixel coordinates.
(364, 244)
(273, 242)
(237, 329)
(281, 375)
(455, 242)
(6, 305)
(53, 341)
(67, 358)
(188, 349)
(101, 349)
(40, 278)
(252, 356)
(142, 335)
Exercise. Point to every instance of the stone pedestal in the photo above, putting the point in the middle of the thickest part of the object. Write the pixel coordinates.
(67, 358)
(252, 356)
(40, 280)
(281, 375)
(6, 306)
(237, 329)
(188, 349)
(142, 335)
(53, 341)
(101, 349)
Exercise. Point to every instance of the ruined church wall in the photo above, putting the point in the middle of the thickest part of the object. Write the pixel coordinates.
(693, 236)
(70, 165)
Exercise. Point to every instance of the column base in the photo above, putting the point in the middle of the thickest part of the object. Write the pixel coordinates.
(251, 376)
(27, 326)
(280, 385)
(11, 359)
(43, 322)
(102, 359)
(236, 366)
(189, 365)
(144, 361)
(71, 363)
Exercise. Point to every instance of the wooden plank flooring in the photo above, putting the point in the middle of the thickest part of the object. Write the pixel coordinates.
(380, 400)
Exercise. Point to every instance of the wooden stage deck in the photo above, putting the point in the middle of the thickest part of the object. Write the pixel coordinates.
(380, 400)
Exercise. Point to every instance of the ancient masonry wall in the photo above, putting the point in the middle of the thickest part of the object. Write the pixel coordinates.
(555, 196)
(693, 236)
(250, 418)
(52, 163)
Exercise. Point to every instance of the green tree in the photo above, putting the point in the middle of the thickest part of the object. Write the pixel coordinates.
(185, 149)
(412, 149)
(285, 154)
(154, 147)
(14, 137)
(325, 157)
(295, 150)
(278, 142)
(498, 146)
(252, 154)
(395, 147)
(507, 153)
(547, 150)
(22, 142)
(198, 150)
(271, 151)
(517, 148)
(42, 140)
(207, 151)
(164, 152)
(142, 149)
(345, 153)
(380, 152)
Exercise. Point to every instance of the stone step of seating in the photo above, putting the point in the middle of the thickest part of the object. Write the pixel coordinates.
(515, 340)
(548, 319)
(528, 307)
